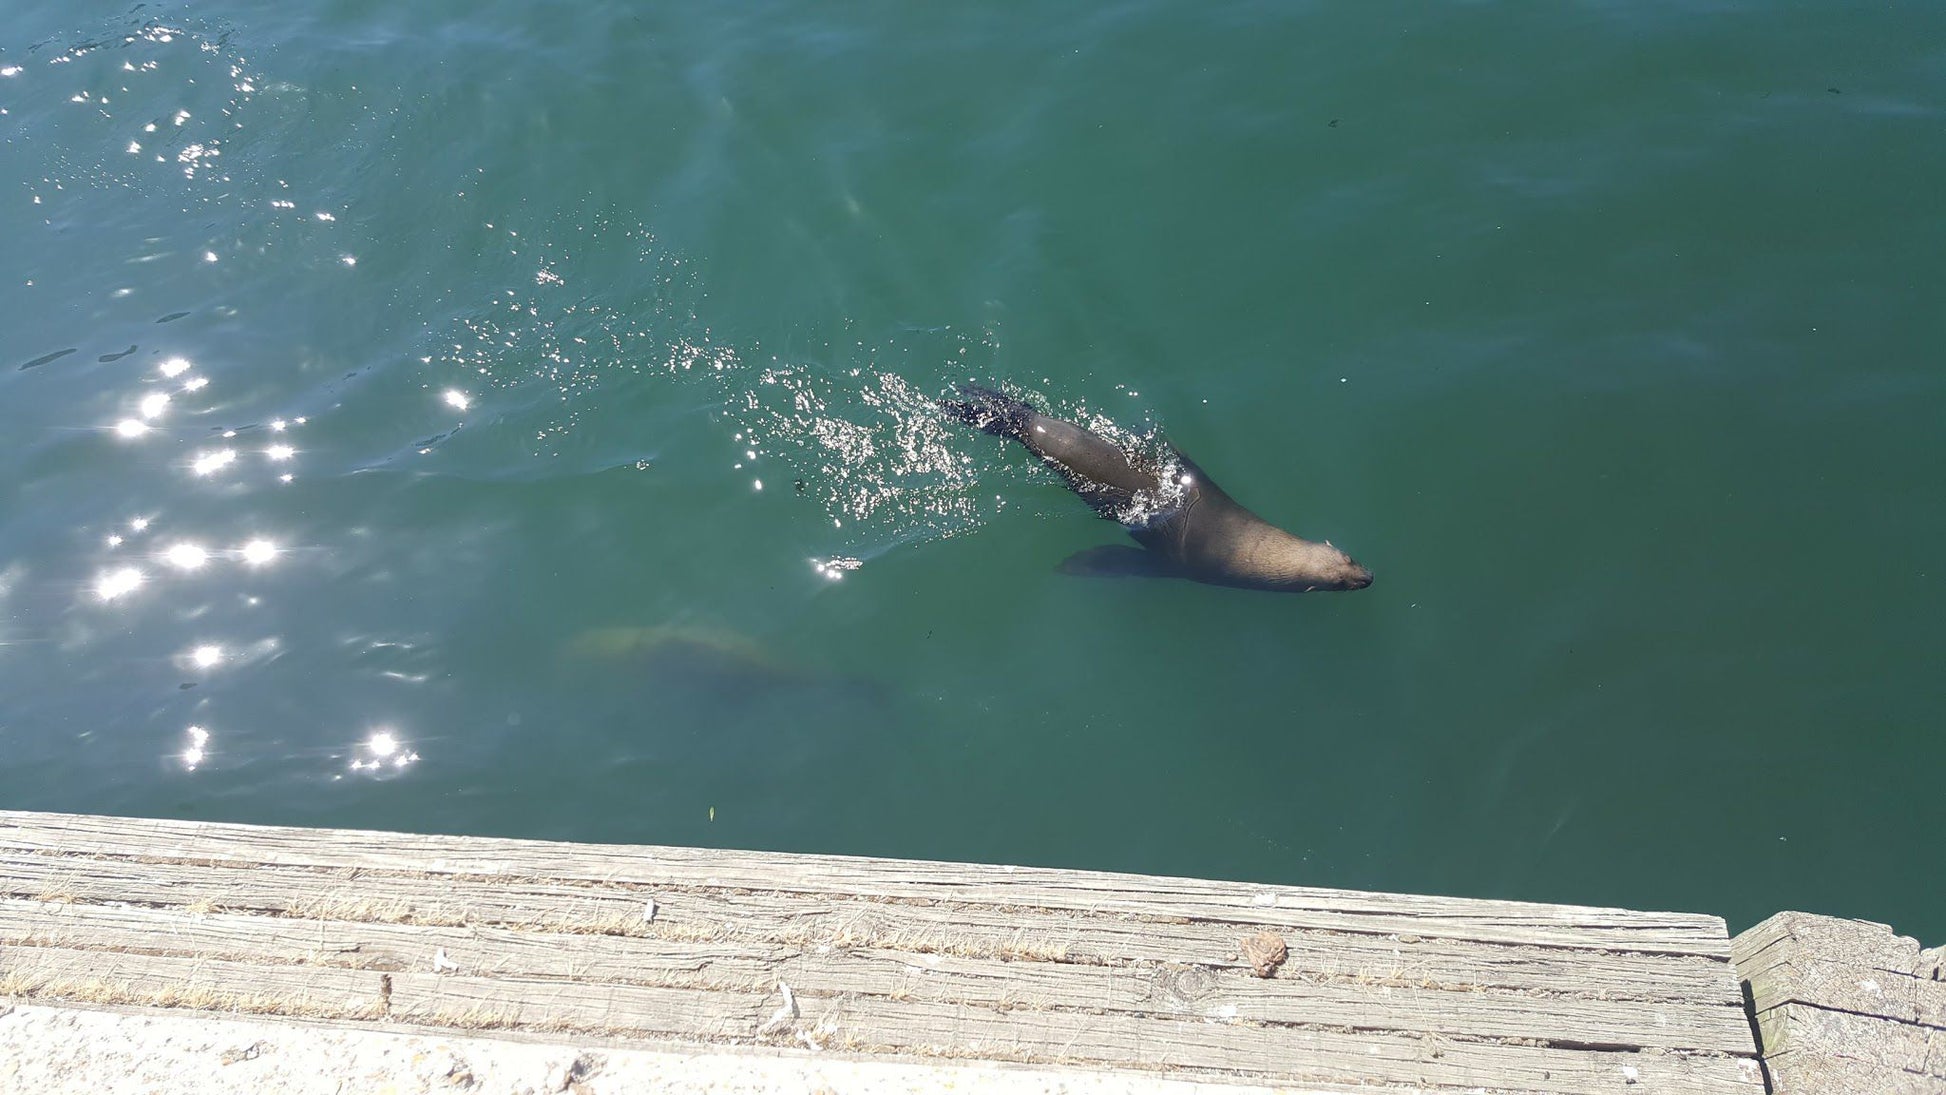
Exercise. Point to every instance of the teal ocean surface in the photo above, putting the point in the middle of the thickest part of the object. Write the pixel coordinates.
(516, 419)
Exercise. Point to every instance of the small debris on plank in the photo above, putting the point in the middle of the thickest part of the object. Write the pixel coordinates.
(1265, 951)
(784, 1014)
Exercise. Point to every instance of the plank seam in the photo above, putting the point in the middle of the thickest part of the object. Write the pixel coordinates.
(1918, 1024)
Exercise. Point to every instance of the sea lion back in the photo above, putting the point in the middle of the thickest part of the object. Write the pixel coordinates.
(1112, 480)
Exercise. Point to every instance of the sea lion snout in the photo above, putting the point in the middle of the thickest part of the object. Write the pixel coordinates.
(1347, 572)
(1347, 575)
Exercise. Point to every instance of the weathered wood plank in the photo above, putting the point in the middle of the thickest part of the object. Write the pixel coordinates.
(1851, 965)
(55, 974)
(1845, 1006)
(654, 866)
(1824, 1074)
(1217, 1048)
(1174, 990)
(1899, 1047)
(838, 921)
(1051, 967)
(326, 992)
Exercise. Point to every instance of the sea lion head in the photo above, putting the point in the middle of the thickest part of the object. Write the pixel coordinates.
(1303, 566)
(1340, 571)
(1356, 577)
(1267, 557)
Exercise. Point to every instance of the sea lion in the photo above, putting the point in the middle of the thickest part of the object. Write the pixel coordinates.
(705, 662)
(1189, 526)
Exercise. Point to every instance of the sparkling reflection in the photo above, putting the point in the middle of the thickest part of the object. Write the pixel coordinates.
(834, 569)
(153, 404)
(118, 583)
(383, 750)
(211, 462)
(207, 656)
(131, 427)
(258, 552)
(457, 398)
(175, 366)
(280, 452)
(186, 556)
(197, 748)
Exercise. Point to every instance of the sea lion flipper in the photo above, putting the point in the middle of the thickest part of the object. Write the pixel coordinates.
(1116, 561)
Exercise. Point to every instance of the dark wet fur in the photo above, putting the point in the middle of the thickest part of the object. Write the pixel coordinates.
(989, 409)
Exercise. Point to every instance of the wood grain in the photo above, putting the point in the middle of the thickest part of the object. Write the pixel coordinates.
(911, 959)
(1845, 1006)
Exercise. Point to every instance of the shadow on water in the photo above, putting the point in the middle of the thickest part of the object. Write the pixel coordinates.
(692, 733)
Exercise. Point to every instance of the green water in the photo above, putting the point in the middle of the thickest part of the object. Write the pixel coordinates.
(1609, 336)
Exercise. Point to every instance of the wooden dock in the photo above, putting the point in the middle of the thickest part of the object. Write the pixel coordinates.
(1134, 976)
(1845, 1006)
